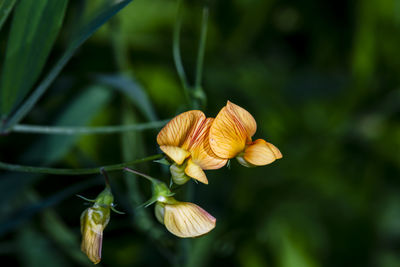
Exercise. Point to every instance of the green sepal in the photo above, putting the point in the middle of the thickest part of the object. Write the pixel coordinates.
(105, 197)
(86, 199)
(149, 202)
(115, 210)
(163, 161)
(228, 164)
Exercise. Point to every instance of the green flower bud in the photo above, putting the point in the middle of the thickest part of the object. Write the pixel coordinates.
(178, 174)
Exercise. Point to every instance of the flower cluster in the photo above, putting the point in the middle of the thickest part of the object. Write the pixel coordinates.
(194, 143)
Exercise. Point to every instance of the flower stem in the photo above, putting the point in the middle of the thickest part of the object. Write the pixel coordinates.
(82, 171)
(177, 53)
(202, 47)
(105, 175)
(151, 179)
(71, 130)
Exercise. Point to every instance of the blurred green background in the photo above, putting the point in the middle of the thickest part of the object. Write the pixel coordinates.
(321, 79)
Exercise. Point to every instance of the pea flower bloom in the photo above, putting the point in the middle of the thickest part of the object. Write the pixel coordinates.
(185, 141)
(93, 221)
(230, 136)
(184, 219)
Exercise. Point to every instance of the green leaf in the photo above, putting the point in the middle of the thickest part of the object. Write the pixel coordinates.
(142, 220)
(5, 8)
(26, 212)
(65, 238)
(34, 28)
(101, 17)
(36, 250)
(133, 90)
(79, 112)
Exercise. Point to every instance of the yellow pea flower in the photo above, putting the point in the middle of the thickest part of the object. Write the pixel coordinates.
(185, 141)
(93, 221)
(230, 137)
(184, 219)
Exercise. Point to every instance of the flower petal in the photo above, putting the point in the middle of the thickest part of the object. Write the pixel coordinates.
(201, 152)
(244, 117)
(159, 212)
(196, 172)
(227, 136)
(92, 234)
(261, 153)
(177, 130)
(186, 219)
(177, 154)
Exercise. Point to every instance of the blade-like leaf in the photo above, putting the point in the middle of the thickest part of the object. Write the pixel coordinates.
(82, 35)
(35, 249)
(133, 90)
(131, 140)
(65, 238)
(34, 28)
(25, 213)
(5, 8)
(79, 112)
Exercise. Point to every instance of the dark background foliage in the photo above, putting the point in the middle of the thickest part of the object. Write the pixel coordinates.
(321, 79)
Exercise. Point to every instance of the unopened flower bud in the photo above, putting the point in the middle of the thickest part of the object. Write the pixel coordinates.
(178, 174)
(93, 222)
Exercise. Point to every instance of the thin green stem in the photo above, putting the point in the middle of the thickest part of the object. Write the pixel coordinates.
(105, 175)
(82, 171)
(202, 48)
(151, 179)
(25, 213)
(177, 53)
(119, 45)
(71, 130)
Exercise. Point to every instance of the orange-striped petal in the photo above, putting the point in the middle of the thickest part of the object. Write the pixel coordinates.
(244, 117)
(177, 154)
(185, 219)
(196, 172)
(201, 152)
(227, 135)
(177, 130)
(261, 153)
